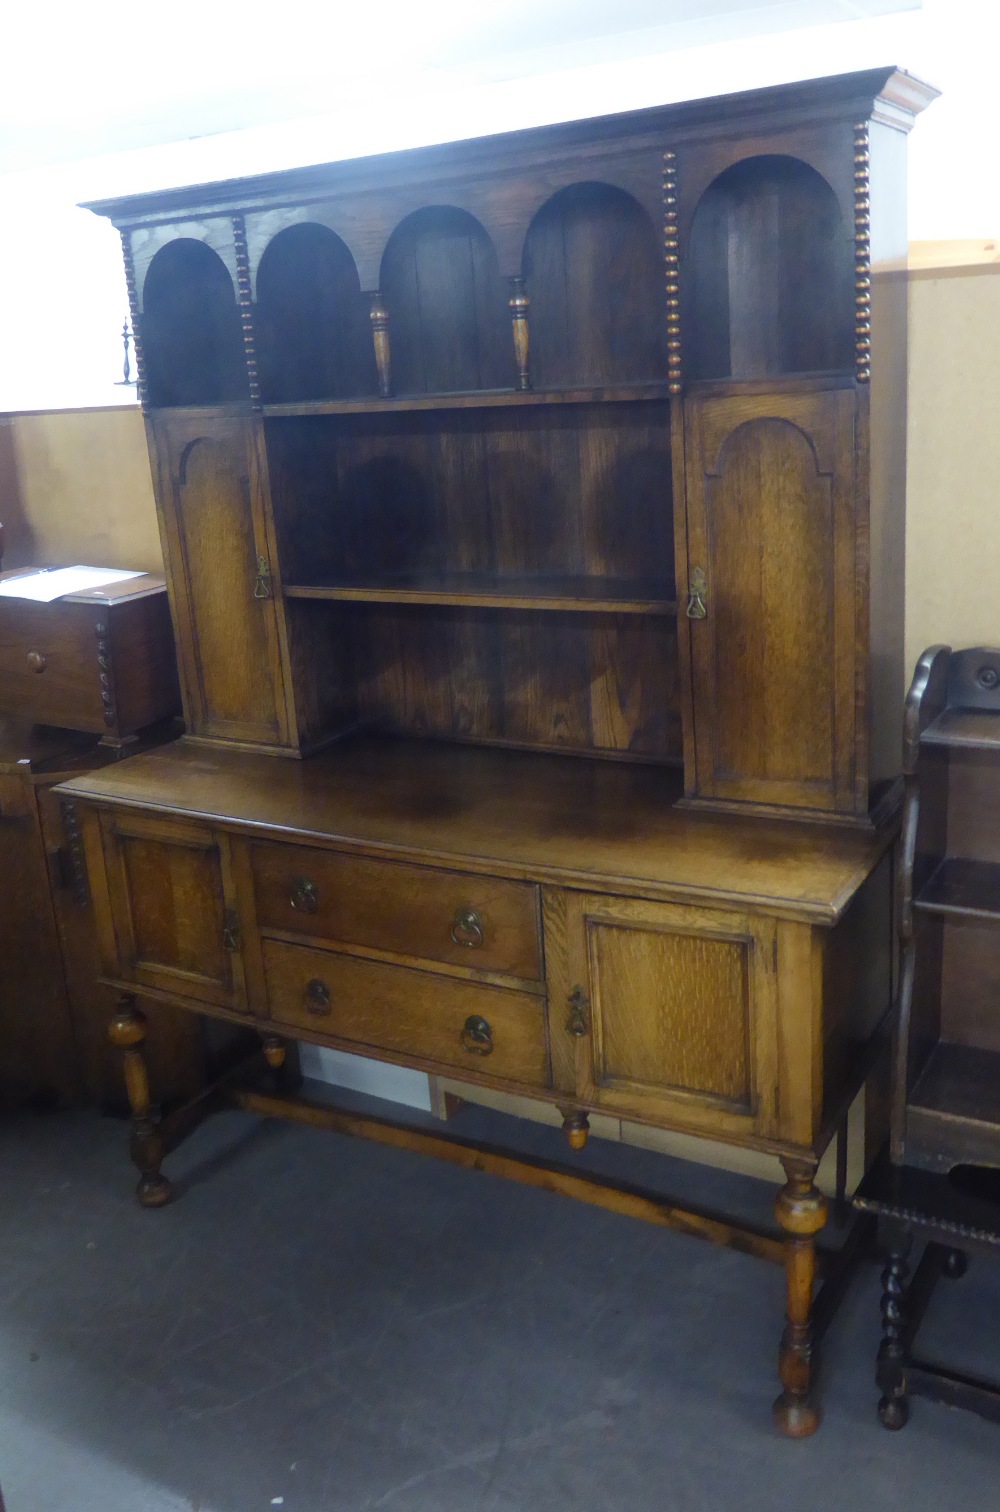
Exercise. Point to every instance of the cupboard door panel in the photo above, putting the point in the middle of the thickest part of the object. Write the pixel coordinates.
(679, 1010)
(175, 922)
(771, 525)
(213, 486)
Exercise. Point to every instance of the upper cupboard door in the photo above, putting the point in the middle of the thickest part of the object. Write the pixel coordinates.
(213, 483)
(771, 607)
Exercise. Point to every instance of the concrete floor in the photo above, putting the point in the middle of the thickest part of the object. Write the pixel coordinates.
(323, 1324)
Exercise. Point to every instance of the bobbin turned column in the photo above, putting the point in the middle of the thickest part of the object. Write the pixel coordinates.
(801, 1210)
(127, 1032)
(379, 315)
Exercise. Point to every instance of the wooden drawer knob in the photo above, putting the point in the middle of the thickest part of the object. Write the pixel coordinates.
(317, 996)
(304, 896)
(467, 928)
(477, 1036)
(36, 661)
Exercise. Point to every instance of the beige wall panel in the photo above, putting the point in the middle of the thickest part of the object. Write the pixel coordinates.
(953, 461)
(83, 490)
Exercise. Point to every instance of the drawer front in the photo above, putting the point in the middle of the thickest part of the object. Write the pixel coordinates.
(48, 663)
(454, 917)
(485, 1031)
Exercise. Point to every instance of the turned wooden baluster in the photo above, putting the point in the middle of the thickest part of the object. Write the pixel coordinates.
(127, 1032)
(519, 303)
(801, 1210)
(890, 1370)
(383, 350)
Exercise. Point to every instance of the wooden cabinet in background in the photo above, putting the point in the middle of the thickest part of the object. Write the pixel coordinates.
(54, 1011)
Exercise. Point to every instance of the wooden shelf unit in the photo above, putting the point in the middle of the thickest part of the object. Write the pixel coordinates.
(946, 1097)
(576, 440)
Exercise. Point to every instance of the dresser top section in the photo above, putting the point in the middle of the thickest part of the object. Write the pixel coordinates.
(576, 822)
(885, 94)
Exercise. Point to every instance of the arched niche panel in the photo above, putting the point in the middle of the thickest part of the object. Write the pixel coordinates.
(449, 317)
(767, 279)
(191, 334)
(593, 269)
(314, 337)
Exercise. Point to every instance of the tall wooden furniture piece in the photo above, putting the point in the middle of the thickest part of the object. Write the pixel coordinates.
(546, 492)
(946, 1080)
(83, 679)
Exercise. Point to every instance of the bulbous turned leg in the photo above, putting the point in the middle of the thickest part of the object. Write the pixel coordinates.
(127, 1031)
(576, 1127)
(890, 1369)
(801, 1210)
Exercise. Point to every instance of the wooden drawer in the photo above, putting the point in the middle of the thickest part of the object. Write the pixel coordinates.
(101, 662)
(409, 1013)
(402, 909)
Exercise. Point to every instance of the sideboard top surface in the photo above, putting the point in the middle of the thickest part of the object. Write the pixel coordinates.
(567, 820)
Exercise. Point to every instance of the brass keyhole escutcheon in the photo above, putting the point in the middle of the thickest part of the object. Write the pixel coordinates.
(36, 661)
(304, 896)
(467, 928)
(577, 1024)
(477, 1036)
(317, 996)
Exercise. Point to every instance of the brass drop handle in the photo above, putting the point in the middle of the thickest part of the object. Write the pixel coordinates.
(577, 1024)
(36, 661)
(317, 996)
(698, 584)
(304, 896)
(262, 587)
(467, 929)
(477, 1036)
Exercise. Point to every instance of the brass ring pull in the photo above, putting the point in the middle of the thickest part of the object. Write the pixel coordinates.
(477, 1036)
(304, 896)
(36, 661)
(467, 928)
(317, 996)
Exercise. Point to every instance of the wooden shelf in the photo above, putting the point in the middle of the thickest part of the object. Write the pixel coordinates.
(973, 729)
(970, 889)
(473, 590)
(954, 1108)
(473, 399)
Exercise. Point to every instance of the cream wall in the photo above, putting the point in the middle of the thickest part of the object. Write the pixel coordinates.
(75, 487)
(953, 459)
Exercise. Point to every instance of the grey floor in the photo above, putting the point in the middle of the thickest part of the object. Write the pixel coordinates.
(321, 1323)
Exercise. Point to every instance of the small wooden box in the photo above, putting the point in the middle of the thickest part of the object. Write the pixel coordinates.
(101, 661)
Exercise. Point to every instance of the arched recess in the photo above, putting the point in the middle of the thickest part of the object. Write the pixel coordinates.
(191, 335)
(313, 330)
(593, 270)
(767, 278)
(448, 312)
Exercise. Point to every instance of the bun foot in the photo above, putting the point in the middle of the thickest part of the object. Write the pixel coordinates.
(955, 1265)
(155, 1191)
(894, 1412)
(795, 1417)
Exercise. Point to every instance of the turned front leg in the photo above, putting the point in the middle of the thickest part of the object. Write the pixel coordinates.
(890, 1370)
(127, 1032)
(801, 1210)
